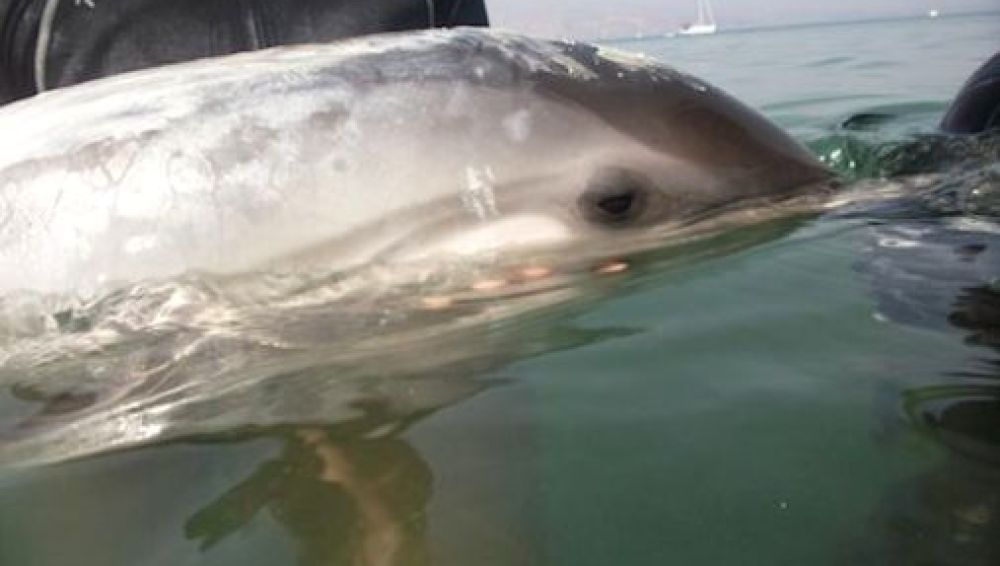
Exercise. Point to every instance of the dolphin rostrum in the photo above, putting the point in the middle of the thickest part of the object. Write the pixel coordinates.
(164, 233)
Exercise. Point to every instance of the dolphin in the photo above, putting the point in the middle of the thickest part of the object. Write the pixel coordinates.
(175, 237)
(401, 147)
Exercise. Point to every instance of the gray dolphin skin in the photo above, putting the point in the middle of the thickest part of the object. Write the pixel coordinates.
(172, 239)
(396, 147)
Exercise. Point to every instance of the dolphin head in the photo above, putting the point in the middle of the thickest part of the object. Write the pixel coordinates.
(495, 144)
(414, 148)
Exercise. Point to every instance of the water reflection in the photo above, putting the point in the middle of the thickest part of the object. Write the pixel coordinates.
(946, 515)
(350, 492)
(942, 275)
(342, 499)
(357, 492)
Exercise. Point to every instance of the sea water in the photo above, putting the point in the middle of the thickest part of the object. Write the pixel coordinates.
(831, 396)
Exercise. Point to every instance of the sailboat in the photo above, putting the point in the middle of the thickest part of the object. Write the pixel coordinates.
(706, 21)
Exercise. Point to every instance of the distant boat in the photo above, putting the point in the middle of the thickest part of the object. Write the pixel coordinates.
(932, 13)
(706, 21)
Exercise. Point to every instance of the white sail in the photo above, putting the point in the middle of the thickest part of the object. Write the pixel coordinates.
(705, 23)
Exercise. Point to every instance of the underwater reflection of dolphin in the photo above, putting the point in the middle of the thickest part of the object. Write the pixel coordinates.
(187, 233)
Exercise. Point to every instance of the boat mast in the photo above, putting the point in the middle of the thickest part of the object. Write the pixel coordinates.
(708, 13)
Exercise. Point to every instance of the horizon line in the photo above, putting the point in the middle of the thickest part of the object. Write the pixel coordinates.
(753, 27)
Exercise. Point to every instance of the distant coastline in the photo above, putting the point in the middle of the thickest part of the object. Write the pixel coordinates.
(755, 28)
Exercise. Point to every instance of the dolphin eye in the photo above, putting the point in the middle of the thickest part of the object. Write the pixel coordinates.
(615, 197)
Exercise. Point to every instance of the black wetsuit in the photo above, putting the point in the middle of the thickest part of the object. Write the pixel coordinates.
(46, 44)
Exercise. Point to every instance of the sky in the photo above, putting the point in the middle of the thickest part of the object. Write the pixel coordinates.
(616, 18)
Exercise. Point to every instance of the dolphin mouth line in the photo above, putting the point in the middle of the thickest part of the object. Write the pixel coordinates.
(494, 274)
(560, 268)
(706, 222)
(812, 197)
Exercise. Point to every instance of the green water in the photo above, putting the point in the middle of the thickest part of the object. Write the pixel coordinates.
(756, 408)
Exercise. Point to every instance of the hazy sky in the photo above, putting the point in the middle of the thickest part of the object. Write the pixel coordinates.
(597, 18)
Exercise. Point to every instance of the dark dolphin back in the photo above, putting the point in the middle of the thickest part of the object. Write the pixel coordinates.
(976, 108)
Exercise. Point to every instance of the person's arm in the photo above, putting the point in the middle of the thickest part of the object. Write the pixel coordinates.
(47, 44)
(19, 21)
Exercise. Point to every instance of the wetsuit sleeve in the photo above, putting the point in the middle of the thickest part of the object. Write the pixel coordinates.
(56, 43)
(18, 37)
(452, 13)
